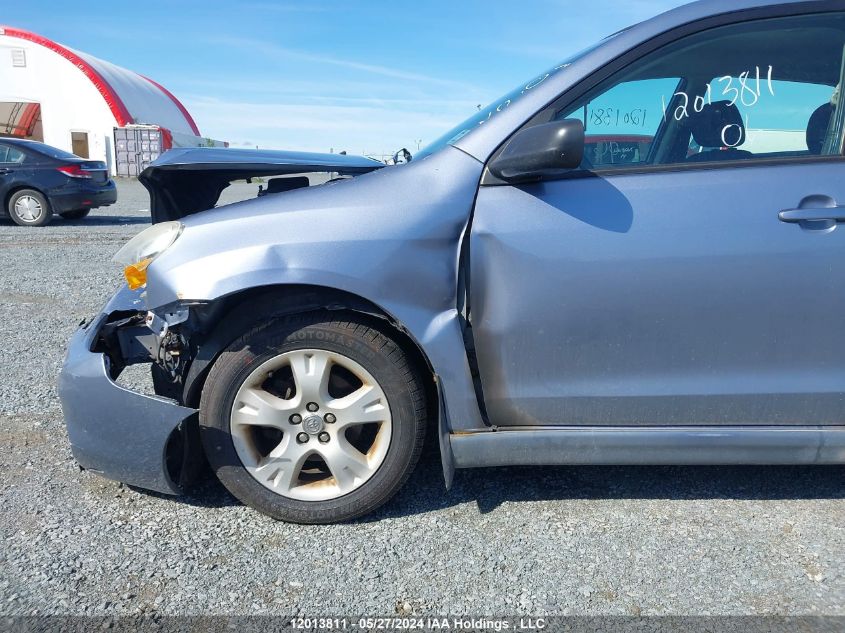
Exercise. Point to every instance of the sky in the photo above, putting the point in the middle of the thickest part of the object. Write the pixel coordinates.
(331, 75)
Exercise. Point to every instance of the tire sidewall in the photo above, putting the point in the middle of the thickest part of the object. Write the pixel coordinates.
(46, 213)
(376, 353)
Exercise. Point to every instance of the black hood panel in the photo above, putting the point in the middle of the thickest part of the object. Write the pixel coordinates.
(189, 180)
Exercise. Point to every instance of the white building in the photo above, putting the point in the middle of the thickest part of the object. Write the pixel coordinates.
(88, 106)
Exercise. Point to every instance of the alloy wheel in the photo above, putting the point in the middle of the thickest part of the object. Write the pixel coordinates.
(311, 424)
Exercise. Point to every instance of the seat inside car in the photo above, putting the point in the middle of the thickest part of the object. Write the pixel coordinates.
(715, 126)
(817, 128)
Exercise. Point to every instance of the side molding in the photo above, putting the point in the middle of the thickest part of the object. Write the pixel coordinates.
(649, 446)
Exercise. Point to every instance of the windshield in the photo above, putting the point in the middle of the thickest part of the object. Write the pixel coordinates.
(499, 105)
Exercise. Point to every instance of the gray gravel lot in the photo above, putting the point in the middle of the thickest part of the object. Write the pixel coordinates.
(596, 540)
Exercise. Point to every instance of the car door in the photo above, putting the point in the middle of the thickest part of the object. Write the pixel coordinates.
(691, 271)
(10, 165)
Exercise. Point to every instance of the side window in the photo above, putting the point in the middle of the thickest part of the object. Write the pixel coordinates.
(621, 124)
(778, 116)
(762, 89)
(9, 154)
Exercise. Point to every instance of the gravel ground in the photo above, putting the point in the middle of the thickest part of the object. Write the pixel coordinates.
(596, 540)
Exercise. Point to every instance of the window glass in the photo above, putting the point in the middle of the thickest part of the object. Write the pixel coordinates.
(761, 89)
(775, 113)
(620, 124)
(9, 154)
(500, 105)
(49, 150)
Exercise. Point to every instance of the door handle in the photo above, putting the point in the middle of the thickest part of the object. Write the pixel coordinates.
(4, 170)
(813, 214)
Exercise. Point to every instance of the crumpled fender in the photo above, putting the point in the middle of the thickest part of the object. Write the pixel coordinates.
(391, 237)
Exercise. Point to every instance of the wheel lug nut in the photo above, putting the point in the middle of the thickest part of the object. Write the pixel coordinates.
(312, 406)
(295, 418)
(323, 437)
(302, 438)
(329, 418)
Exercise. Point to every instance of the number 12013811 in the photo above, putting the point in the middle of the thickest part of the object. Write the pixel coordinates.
(746, 89)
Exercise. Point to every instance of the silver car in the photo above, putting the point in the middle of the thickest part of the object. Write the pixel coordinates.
(633, 258)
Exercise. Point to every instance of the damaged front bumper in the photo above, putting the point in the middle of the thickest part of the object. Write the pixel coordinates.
(143, 440)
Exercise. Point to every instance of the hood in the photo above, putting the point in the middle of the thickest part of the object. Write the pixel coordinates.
(189, 180)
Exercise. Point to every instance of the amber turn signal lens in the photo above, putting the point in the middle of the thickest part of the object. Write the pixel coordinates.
(136, 274)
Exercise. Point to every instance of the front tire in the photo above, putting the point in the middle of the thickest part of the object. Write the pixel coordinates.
(75, 214)
(29, 207)
(313, 418)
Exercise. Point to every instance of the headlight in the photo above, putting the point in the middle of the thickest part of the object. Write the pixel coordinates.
(141, 250)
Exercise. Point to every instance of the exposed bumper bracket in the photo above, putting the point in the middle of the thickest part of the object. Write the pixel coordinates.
(131, 437)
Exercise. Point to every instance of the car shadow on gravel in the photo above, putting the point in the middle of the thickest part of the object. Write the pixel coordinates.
(106, 220)
(206, 493)
(489, 488)
(90, 221)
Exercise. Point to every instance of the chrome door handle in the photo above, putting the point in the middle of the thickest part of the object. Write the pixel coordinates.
(834, 214)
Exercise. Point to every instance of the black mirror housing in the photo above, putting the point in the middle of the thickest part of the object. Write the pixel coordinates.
(540, 150)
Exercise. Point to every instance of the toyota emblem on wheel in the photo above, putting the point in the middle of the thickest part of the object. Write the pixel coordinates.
(313, 424)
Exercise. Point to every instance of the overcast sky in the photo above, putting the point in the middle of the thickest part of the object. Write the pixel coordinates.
(367, 77)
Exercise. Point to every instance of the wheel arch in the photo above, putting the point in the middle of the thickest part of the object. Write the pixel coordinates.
(228, 317)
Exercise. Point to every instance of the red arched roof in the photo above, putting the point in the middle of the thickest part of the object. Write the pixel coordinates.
(177, 103)
(107, 78)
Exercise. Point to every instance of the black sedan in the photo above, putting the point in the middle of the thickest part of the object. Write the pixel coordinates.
(37, 180)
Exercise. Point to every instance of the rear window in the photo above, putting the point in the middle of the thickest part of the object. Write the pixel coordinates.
(49, 150)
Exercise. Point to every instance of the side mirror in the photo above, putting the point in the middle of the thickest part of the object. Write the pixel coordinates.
(540, 150)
